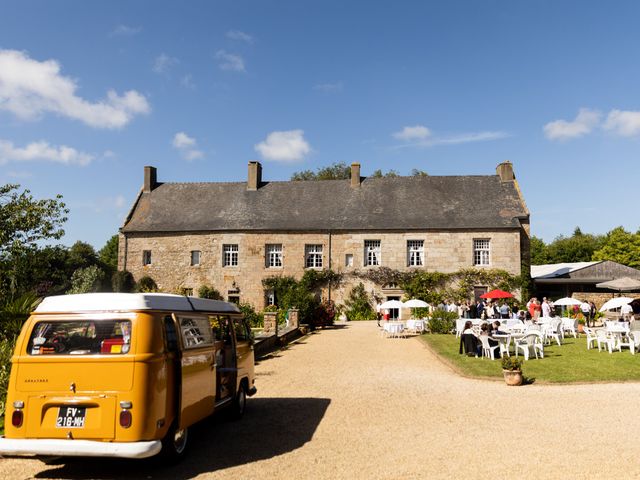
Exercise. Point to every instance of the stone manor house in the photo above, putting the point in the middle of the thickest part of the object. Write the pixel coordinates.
(233, 235)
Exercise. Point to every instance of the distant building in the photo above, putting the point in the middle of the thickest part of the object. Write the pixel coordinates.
(578, 279)
(233, 235)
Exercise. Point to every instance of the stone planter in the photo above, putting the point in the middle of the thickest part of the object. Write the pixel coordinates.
(512, 378)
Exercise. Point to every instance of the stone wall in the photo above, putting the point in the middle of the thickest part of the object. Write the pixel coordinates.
(444, 251)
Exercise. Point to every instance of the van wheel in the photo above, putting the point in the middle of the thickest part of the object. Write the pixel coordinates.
(239, 403)
(174, 444)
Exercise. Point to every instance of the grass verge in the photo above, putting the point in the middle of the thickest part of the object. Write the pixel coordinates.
(569, 363)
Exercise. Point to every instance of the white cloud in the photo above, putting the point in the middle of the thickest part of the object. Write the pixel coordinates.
(625, 123)
(187, 146)
(19, 174)
(229, 61)
(29, 88)
(417, 132)
(163, 63)
(584, 123)
(187, 82)
(329, 87)
(287, 146)
(124, 31)
(456, 139)
(238, 35)
(42, 151)
(119, 201)
(193, 154)
(469, 138)
(182, 140)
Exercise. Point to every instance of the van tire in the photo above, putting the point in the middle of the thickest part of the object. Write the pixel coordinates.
(239, 403)
(175, 444)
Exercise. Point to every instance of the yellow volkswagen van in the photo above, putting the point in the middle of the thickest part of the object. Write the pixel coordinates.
(124, 375)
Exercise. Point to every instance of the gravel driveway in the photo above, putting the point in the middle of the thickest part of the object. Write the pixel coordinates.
(345, 403)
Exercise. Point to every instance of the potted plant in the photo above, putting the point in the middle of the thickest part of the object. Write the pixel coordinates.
(512, 371)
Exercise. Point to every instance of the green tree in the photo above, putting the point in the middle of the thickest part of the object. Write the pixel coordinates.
(580, 247)
(390, 174)
(336, 171)
(81, 255)
(108, 254)
(87, 280)
(24, 223)
(418, 173)
(539, 254)
(620, 246)
(358, 305)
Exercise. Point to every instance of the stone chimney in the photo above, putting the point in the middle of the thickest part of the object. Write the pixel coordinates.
(150, 179)
(505, 171)
(355, 175)
(254, 180)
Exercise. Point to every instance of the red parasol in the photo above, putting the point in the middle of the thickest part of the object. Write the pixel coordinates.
(497, 294)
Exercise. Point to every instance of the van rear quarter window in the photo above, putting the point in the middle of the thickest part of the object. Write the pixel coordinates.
(80, 337)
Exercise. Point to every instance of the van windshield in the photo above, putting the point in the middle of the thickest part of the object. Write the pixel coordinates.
(80, 337)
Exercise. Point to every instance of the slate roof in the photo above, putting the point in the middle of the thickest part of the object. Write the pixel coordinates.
(400, 203)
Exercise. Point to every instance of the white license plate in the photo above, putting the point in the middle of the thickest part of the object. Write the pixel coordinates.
(71, 417)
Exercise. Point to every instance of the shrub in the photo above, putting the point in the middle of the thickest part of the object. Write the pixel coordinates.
(254, 319)
(146, 285)
(358, 305)
(512, 364)
(325, 313)
(442, 322)
(87, 280)
(6, 351)
(122, 281)
(206, 291)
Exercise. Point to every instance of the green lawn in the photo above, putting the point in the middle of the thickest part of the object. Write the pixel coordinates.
(571, 362)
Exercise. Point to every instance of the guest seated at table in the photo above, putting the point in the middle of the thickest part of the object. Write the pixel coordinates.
(485, 330)
(495, 328)
(468, 340)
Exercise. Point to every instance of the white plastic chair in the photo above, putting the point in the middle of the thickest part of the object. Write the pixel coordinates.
(487, 350)
(626, 341)
(503, 343)
(532, 341)
(591, 337)
(553, 330)
(460, 326)
(602, 337)
(570, 325)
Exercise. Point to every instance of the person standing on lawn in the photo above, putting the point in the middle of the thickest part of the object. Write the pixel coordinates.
(585, 308)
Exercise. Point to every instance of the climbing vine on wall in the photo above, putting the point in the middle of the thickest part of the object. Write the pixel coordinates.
(433, 287)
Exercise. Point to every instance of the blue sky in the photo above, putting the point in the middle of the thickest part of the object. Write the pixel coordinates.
(90, 92)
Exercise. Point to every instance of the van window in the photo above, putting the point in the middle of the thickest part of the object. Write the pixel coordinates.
(80, 337)
(171, 334)
(221, 328)
(242, 334)
(195, 332)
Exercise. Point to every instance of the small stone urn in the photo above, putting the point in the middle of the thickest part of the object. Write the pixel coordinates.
(512, 371)
(512, 378)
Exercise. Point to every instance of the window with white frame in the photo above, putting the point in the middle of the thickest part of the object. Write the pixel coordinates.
(481, 250)
(195, 258)
(273, 255)
(146, 257)
(348, 260)
(230, 255)
(371, 253)
(313, 256)
(415, 253)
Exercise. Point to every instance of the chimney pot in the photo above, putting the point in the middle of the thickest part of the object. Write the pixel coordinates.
(505, 171)
(150, 179)
(355, 175)
(254, 180)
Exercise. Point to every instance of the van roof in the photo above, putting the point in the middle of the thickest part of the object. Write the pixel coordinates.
(104, 302)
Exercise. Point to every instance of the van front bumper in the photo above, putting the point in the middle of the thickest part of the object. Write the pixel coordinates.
(77, 448)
